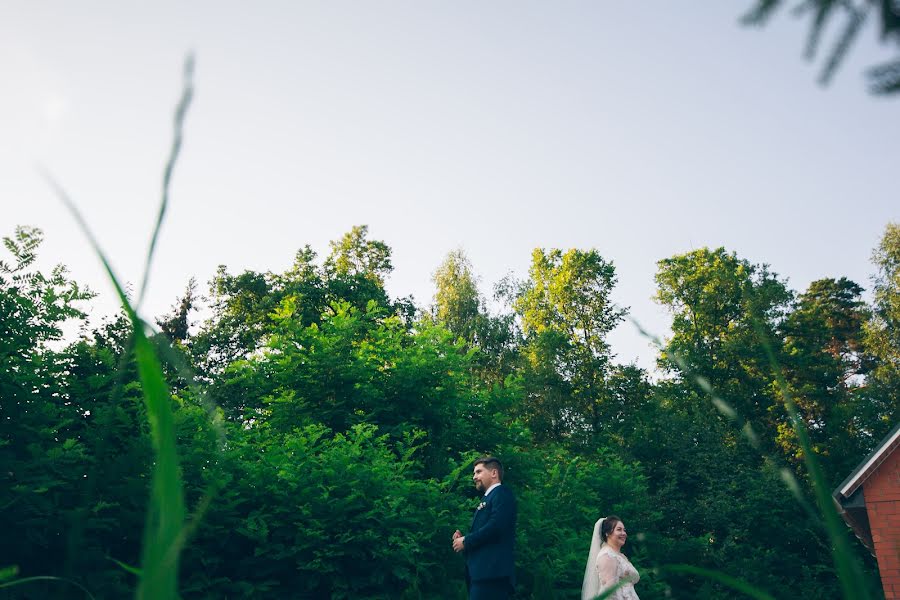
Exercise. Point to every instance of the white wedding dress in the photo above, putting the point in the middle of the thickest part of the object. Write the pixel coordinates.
(613, 567)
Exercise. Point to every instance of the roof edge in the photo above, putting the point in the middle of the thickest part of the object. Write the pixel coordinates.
(868, 465)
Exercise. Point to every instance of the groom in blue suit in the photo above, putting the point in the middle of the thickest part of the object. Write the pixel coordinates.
(489, 545)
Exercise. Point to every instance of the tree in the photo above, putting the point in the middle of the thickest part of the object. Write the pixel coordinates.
(240, 318)
(243, 304)
(354, 255)
(356, 268)
(724, 313)
(566, 315)
(457, 301)
(728, 317)
(882, 335)
(460, 307)
(175, 326)
(884, 327)
(823, 365)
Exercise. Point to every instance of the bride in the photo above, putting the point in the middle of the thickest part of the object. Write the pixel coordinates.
(606, 565)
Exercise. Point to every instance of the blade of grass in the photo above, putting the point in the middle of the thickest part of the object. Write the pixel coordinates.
(732, 582)
(25, 580)
(174, 359)
(849, 573)
(165, 515)
(187, 94)
(607, 593)
(164, 534)
(165, 518)
(126, 567)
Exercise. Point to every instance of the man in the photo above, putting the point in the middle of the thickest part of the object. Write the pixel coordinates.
(489, 545)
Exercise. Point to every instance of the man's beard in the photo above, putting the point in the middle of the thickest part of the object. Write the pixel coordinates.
(479, 486)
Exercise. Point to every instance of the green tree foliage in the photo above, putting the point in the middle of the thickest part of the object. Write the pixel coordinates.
(357, 367)
(104, 389)
(720, 498)
(724, 310)
(357, 267)
(566, 315)
(176, 325)
(457, 301)
(240, 305)
(461, 309)
(243, 305)
(314, 514)
(824, 364)
(882, 335)
(41, 457)
(326, 445)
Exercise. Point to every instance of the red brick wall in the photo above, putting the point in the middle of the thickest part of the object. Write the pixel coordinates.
(882, 492)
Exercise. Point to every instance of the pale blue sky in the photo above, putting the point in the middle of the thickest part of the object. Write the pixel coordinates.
(641, 129)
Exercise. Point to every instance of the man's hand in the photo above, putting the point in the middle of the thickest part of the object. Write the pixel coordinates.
(458, 541)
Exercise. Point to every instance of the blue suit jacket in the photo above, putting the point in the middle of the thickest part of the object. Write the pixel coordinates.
(490, 544)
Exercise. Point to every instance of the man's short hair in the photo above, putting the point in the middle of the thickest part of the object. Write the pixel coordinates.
(490, 463)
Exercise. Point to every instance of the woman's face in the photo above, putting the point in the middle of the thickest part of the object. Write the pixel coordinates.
(617, 536)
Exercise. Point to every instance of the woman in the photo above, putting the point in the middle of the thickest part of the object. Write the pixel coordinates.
(606, 565)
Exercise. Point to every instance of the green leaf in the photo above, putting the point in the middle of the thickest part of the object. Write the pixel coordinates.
(8, 572)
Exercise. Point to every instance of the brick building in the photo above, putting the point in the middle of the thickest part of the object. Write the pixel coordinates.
(869, 501)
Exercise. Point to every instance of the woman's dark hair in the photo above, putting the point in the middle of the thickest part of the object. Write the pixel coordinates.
(606, 528)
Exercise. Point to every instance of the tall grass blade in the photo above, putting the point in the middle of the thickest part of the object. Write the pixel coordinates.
(174, 359)
(165, 515)
(126, 567)
(607, 593)
(849, 572)
(732, 582)
(25, 580)
(187, 94)
(163, 537)
(164, 531)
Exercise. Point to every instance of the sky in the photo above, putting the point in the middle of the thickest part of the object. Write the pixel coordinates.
(641, 129)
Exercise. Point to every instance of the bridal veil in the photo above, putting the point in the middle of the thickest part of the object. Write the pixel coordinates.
(590, 586)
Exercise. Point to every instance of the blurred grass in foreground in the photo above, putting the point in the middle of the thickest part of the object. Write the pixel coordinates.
(165, 530)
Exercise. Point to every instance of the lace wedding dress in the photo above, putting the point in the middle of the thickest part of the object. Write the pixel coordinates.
(613, 567)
